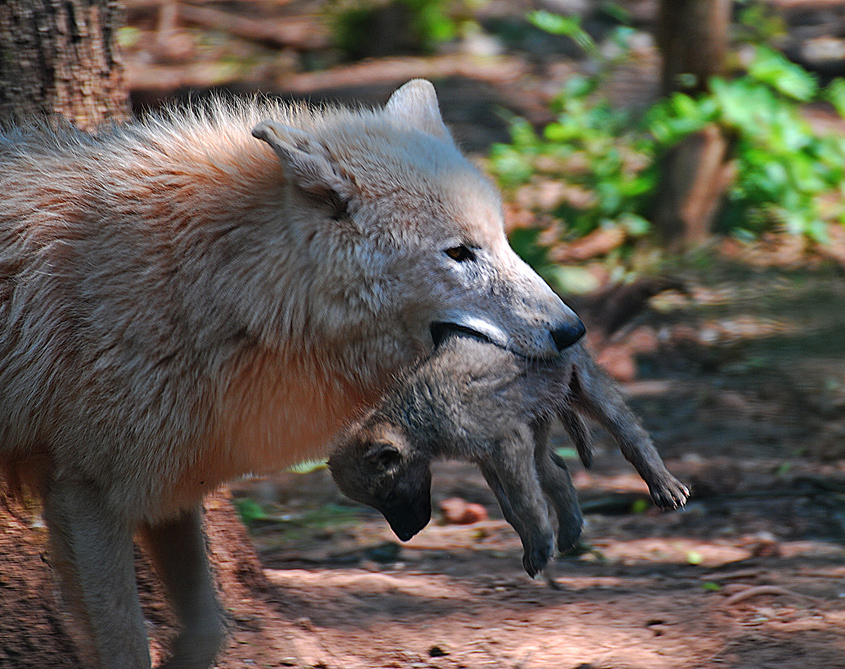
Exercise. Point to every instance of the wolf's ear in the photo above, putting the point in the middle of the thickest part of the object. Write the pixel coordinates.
(303, 157)
(415, 103)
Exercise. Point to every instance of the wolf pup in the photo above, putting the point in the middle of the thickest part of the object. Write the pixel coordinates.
(472, 400)
(217, 291)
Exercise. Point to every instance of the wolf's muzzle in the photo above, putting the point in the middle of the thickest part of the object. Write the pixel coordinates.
(566, 335)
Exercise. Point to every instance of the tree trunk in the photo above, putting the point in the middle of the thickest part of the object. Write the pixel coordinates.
(60, 57)
(693, 39)
(694, 176)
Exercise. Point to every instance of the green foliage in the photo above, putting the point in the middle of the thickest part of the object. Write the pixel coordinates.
(592, 147)
(781, 75)
(758, 23)
(525, 241)
(431, 20)
(785, 169)
(568, 26)
(835, 94)
(308, 466)
(351, 29)
(694, 557)
(329, 515)
(788, 175)
(420, 24)
(249, 510)
(567, 453)
(570, 280)
(640, 506)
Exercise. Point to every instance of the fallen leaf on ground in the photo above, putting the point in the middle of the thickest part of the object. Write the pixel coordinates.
(457, 511)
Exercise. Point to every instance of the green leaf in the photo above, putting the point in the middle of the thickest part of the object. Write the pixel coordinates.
(567, 26)
(617, 12)
(308, 466)
(694, 557)
(639, 506)
(788, 78)
(567, 453)
(746, 107)
(128, 37)
(249, 510)
(522, 132)
(787, 174)
(578, 86)
(636, 225)
(559, 132)
(569, 280)
(524, 242)
(835, 94)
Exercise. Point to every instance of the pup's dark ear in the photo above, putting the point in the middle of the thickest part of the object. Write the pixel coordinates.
(304, 158)
(383, 455)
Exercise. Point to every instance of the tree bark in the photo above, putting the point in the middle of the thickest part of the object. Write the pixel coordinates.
(61, 58)
(694, 176)
(693, 38)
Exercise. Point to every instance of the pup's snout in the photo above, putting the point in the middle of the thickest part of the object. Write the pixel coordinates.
(569, 333)
(408, 517)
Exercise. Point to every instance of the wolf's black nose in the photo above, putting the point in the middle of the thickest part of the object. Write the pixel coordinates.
(568, 334)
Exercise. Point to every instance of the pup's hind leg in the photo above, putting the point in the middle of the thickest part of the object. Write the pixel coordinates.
(557, 485)
(579, 433)
(92, 553)
(594, 394)
(177, 548)
(512, 477)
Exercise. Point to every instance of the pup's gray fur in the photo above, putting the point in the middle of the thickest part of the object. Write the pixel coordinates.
(473, 401)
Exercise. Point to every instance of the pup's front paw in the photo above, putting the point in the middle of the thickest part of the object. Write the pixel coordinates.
(537, 552)
(569, 532)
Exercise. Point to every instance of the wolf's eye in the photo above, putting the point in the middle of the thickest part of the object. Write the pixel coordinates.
(460, 253)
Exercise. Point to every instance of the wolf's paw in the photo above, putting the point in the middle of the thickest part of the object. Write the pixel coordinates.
(537, 553)
(668, 492)
(196, 648)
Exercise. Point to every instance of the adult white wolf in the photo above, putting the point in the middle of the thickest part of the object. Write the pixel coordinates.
(180, 305)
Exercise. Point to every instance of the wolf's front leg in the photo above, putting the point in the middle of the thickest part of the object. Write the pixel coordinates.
(177, 548)
(512, 477)
(91, 548)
